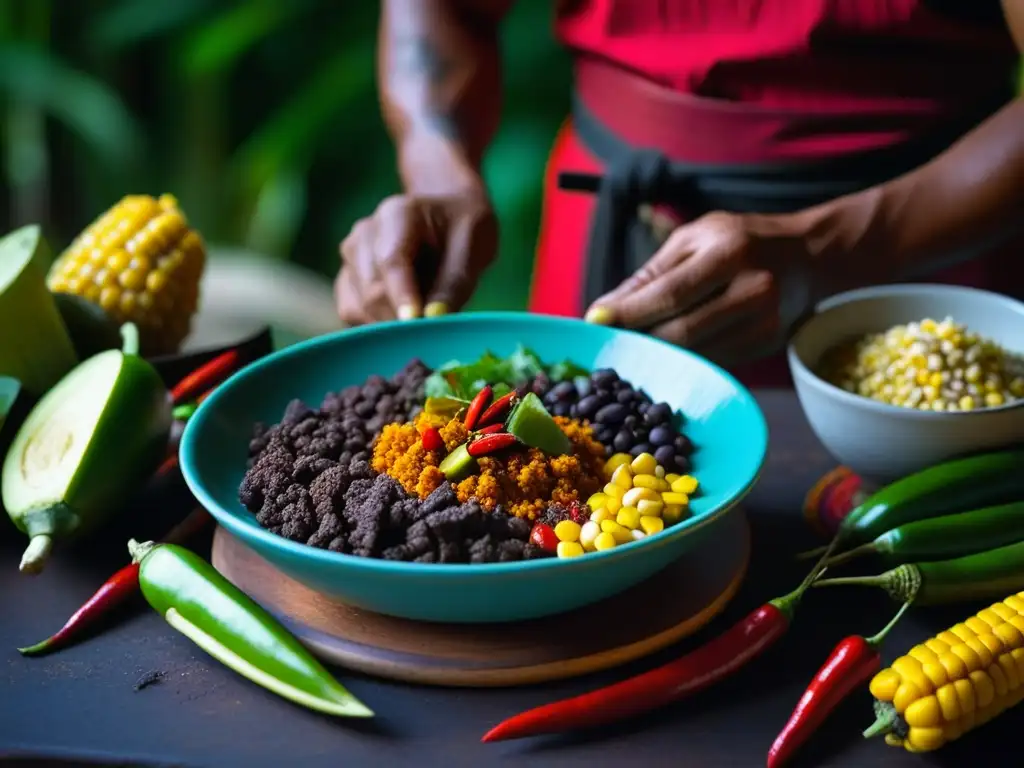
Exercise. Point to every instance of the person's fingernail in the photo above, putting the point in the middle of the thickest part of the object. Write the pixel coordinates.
(599, 316)
(436, 309)
(408, 312)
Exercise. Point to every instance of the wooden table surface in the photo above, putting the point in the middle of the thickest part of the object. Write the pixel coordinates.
(82, 705)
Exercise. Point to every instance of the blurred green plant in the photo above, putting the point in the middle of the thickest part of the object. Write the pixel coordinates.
(260, 115)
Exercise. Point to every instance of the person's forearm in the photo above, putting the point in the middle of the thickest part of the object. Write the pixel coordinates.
(970, 196)
(440, 80)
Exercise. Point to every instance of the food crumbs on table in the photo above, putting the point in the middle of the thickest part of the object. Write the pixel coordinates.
(150, 678)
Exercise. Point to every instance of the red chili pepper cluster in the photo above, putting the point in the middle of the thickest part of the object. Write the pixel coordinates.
(432, 440)
(669, 683)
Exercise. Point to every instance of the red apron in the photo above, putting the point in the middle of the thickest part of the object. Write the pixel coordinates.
(713, 84)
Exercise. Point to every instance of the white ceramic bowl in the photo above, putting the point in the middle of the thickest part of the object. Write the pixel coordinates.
(885, 442)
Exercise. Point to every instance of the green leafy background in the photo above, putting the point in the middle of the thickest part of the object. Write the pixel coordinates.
(261, 116)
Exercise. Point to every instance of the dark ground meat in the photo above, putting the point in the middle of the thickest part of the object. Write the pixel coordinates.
(310, 482)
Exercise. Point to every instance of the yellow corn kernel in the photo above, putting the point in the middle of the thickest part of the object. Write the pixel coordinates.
(924, 713)
(962, 631)
(906, 695)
(984, 690)
(140, 263)
(967, 656)
(615, 461)
(1008, 635)
(671, 477)
(620, 533)
(604, 541)
(600, 515)
(652, 525)
(634, 496)
(937, 645)
(911, 670)
(628, 517)
(685, 484)
(925, 739)
(622, 478)
(672, 513)
(977, 626)
(1015, 602)
(589, 532)
(644, 464)
(672, 497)
(949, 702)
(569, 549)
(567, 530)
(885, 684)
(613, 505)
(597, 500)
(614, 491)
(935, 673)
(923, 654)
(653, 482)
(649, 508)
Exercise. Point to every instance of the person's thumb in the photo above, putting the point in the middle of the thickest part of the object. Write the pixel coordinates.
(471, 245)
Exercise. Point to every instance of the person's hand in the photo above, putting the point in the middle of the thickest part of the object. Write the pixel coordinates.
(715, 286)
(415, 255)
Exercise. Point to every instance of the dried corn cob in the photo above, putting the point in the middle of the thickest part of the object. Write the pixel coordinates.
(141, 263)
(954, 682)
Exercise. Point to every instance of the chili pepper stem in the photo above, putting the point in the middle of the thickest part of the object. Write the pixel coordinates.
(36, 554)
(886, 720)
(812, 553)
(129, 339)
(139, 551)
(878, 638)
(787, 603)
(902, 583)
(852, 554)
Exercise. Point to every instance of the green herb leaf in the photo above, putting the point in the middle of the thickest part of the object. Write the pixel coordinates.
(459, 380)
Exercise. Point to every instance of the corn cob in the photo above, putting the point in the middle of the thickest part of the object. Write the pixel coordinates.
(954, 682)
(140, 263)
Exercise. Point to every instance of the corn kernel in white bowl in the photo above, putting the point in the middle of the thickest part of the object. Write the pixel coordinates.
(884, 442)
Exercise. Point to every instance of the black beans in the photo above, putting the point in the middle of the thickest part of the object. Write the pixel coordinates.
(625, 420)
(662, 436)
(659, 413)
(623, 441)
(666, 456)
(564, 391)
(683, 444)
(613, 414)
(587, 407)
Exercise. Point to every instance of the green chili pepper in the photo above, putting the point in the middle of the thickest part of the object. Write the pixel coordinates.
(205, 607)
(951, 535)
(955, 486)
(981, 576)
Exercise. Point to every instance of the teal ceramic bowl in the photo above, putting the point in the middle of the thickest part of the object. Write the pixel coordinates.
(722, 419)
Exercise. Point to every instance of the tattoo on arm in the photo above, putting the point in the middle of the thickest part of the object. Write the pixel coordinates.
(421, 67)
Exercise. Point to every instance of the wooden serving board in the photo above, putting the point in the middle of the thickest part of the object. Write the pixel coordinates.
(627, 626)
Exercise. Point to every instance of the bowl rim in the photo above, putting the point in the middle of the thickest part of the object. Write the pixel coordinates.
(246, 528)
(803, 372)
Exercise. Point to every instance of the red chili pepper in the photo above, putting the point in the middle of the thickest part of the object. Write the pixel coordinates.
(497, 410)
(116, 591)
(477, 406)
(669, 683)
(490, 429)
(206, 376)
(488, 444)
(432, 440)
(543, 535)
(853, 662)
